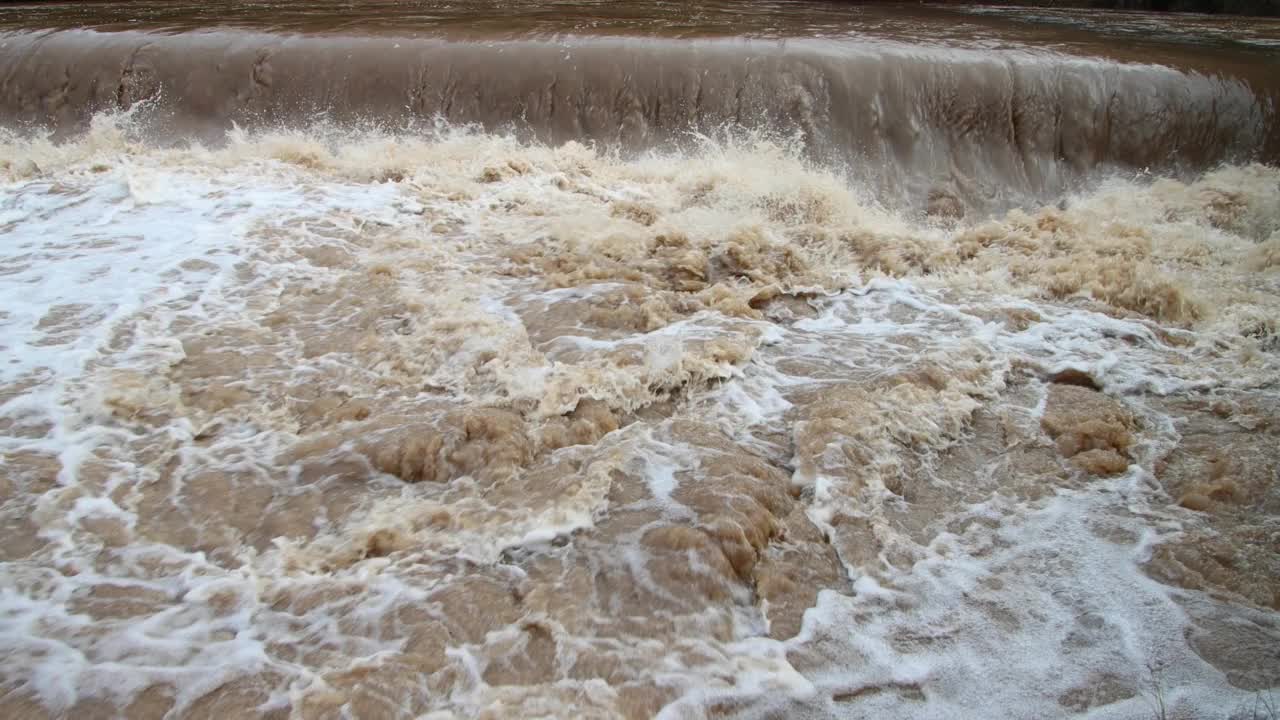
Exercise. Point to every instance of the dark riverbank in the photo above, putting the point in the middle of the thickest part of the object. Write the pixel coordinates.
(1261, 8)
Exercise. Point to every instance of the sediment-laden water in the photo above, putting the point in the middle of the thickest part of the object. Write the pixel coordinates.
(567, 360)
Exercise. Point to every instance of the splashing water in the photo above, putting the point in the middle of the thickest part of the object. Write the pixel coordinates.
(458, 424)
(327, 422)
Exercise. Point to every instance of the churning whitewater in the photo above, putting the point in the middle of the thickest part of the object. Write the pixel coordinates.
(306, 417)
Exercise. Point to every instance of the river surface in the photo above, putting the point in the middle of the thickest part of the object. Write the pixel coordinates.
(589, 359)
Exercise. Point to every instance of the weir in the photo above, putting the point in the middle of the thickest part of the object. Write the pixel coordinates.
(912, 102)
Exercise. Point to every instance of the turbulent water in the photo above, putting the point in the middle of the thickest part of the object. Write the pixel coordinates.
(564, 360)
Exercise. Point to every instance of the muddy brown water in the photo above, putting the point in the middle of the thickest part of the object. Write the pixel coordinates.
(974, 103)
(764, 359)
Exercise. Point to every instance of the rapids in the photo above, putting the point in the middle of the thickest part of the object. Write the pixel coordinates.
(772, 359)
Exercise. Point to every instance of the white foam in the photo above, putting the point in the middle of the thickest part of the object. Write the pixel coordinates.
(121, 247)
